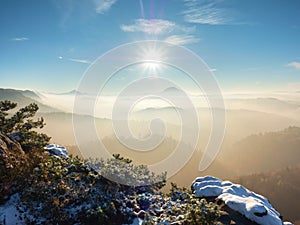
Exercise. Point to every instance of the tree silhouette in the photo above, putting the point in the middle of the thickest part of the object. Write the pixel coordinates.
(21, 126)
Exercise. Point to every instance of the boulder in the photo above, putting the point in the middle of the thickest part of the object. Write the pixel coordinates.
(241, 205)
(12, 160)
(57, 150)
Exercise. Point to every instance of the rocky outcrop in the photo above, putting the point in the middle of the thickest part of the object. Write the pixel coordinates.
(79, 183)
(12, 161)
(238, 204)
(57, 150)
(10, 150)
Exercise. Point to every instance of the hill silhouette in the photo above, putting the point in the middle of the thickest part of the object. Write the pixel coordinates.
(267, 151)
(23, 98)
(281, 187)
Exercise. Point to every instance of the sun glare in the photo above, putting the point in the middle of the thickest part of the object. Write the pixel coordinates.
(151, 60)
(151, 66)
(152, 54)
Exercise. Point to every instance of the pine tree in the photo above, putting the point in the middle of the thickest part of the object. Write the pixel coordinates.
(21, 125)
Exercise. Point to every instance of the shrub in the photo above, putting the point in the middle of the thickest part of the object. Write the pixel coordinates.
(181, 207)
(57, 190)
(72, 190)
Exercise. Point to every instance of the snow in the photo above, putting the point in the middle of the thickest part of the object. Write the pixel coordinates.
(253, 206)
(15, 136)
(206, 178)
(14, 212)
(57, 150)
(8, 212)
(136, 221)
(209, 190)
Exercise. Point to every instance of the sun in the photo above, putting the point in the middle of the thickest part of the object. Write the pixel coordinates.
(151, 60)
(151, 66)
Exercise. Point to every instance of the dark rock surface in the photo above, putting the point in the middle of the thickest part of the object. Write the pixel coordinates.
(229, 216)
(12, 159)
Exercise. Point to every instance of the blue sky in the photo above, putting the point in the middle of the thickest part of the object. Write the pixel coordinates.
(250, 45)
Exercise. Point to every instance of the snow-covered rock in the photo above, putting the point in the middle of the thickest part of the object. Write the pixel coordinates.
(253, 206)
(57, 150)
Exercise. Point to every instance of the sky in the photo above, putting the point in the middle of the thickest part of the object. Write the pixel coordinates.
(248, 45)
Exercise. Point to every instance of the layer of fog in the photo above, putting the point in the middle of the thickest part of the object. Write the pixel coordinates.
(285, 104)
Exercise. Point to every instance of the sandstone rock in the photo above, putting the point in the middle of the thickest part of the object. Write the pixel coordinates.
(12, 160)
(242, 206)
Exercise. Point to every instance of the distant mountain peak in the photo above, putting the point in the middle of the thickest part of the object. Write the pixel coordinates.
(31, 94)
(172, 90)
(72, 92)
(25, 97)
(166, 108)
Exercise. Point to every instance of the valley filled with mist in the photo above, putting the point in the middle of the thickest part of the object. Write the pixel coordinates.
(260, 147)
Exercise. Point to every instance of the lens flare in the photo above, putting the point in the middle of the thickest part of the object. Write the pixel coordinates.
(151, 66)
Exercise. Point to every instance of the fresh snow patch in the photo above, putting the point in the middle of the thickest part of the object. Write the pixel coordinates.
(136, 221)
(14, 212)
(8, 212)
(253, 206)
(57, 150)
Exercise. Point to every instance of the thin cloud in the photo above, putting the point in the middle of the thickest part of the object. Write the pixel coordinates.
(206, 12)
(154, 26)
(182, 39)
(20, 39)
(103, 6)
(295, 65)
(80, 60)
